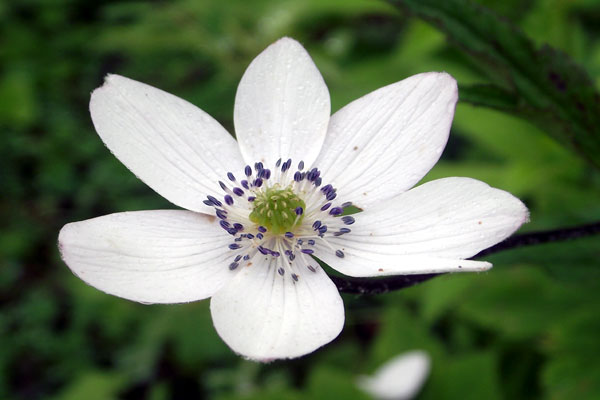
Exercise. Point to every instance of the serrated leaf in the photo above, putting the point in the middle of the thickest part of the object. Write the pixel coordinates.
(552, 91)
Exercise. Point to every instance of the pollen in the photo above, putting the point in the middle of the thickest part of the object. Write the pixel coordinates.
(277, 210)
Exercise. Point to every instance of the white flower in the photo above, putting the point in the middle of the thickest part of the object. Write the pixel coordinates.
(275, 210)
(400, 378)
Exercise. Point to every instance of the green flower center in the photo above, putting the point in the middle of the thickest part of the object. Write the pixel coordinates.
(276, 210)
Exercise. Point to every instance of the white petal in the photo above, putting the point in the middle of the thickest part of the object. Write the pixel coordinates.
(430, 228)
(384, 143)
(264, 316)
(174, 147)
(166, 256)
(282, 106)
(400, 378)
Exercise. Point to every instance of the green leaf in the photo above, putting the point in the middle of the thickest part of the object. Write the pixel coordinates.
(542, 85)
(573, 371)
(519, 303)
(491, 96)
(473, 376)
(327, 383)
(94, 385)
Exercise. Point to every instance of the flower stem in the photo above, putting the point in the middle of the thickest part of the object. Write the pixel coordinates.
(388, 284)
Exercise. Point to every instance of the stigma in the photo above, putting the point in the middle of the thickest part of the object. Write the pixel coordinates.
(280, 214)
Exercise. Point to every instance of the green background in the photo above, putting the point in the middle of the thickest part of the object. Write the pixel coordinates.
(527, 329)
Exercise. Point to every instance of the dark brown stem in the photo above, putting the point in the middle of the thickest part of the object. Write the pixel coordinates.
(384, 285)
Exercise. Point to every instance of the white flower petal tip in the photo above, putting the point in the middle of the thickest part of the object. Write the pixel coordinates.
(166, 256)
(432, 228)
(265, 314)
(382, 144)
(282, 106)
(173, 146)
(401, 378)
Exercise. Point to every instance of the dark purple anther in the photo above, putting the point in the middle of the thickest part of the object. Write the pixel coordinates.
(313, 174)
(258, 166)
(311, 242)
(234, 246)
(339, 253)
(336, 211)
(275, 253)
(224, 224)
(295, 277)
(348, 220)
(238, 191)
(208, 203)
(323, 229)
(289, 235)
(246, 257)
(307, 251)
(222, 214)
(251, 198)
(231, 177)
(249, 236)
(238, 258)
(301, 165)
(280, 271)
(316, 225)
(292, 257)
(233, 266)
(263, 250)
(259, 236)
(258, 182)
(228, 199)
(297, 176)
(267, 173)
(238, 226)
(300, 242)
(233, 231)
(325, 189)
(325, 206)
(248, 170)
(262, 229)
(318, 182)
(346, 204)
(311, 268)
(245, 184)
(278, 163)
(331, 195)
(214, 201)
(223, 186)
(299, 210)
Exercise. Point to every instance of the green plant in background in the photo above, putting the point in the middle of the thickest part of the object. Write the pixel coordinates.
(526, 329)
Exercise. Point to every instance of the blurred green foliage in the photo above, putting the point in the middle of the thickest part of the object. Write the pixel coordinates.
(528, 329)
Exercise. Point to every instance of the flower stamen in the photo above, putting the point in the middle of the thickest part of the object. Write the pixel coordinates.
(283, 216)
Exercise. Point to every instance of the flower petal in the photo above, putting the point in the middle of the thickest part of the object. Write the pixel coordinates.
(383, 143)
(263, 316)
(431, 228)
(400, 378)
(282, 106)
(174, 147)
(166, 256)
